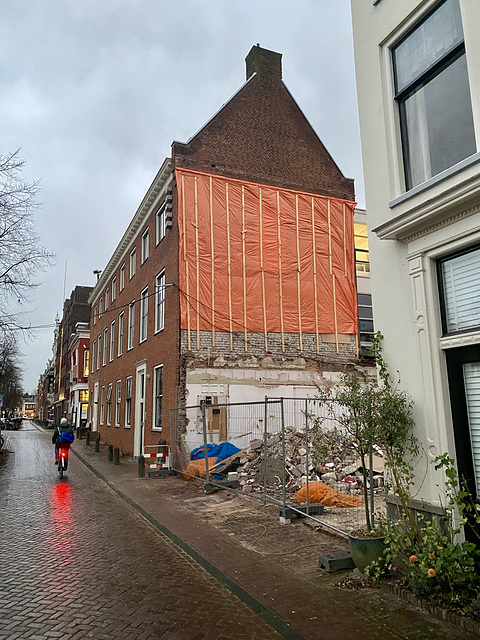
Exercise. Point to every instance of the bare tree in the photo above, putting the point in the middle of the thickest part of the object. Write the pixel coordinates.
(21, 254)
(10, 374)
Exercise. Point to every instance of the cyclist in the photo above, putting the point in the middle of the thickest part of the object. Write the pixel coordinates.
(64, 427)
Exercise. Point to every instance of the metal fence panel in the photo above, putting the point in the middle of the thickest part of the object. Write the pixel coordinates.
(278, 435)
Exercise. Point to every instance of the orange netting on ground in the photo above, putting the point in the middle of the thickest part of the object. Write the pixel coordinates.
(196, 468)
(321, 493)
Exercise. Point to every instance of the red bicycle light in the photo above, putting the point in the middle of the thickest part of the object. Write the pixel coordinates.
(64, 453)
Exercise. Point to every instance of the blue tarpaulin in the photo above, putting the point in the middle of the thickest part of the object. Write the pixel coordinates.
(220, 451)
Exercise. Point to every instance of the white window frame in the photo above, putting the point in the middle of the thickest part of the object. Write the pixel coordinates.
(109, 404)
(86, 363)
(160, 224)
(121, 325)
(128, 401)
(100, 307)
(122, 278)
(143, 319)
(99, 351)
(102, 403)
(158, 370)
(92, 363)
(133, 263)
(160, 302)
(114, 288)
(112, 339)
(95, 314)
(106, 299)
(105, 346)
(118, 402)
(145, 246)
(131, 325)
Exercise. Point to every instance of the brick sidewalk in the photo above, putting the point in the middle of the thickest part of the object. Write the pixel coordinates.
(298, 604)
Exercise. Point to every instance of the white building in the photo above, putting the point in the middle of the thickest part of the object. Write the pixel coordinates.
(418, 77)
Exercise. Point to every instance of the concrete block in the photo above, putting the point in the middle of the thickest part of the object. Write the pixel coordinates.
(336, 561)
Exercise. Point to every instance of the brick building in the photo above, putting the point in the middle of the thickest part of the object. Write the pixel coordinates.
(236, 275)
(76, 309)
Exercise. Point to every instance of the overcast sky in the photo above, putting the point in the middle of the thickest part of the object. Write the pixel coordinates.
(95, 91)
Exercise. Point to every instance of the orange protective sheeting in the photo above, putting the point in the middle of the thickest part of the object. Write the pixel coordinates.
(258, 258)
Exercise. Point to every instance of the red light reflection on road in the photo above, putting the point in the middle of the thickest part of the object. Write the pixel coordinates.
(63, 523)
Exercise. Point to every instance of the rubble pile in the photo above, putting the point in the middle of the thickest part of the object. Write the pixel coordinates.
(340, 468)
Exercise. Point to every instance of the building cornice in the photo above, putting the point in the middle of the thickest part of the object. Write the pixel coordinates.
(154, 192)
(423, 214)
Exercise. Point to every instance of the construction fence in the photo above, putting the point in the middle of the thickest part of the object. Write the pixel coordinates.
(282, 451)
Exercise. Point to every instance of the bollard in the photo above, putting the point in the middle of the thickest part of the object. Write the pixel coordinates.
(141, 467)
(116, 455)
(97, 443)
(110, 452)
(87, 439)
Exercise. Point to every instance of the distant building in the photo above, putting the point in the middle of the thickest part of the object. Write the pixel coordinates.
(76, 309)
(236, 277)
(418, 79)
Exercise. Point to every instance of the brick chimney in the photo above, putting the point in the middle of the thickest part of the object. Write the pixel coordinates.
(265, 63)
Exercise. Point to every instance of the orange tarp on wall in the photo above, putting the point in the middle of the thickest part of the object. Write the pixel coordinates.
(258, 258)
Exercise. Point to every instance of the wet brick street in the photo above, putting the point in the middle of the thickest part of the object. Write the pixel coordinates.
(77, 563)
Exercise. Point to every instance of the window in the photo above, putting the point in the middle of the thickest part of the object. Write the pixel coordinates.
(120, 333)
(459, 282)
(106, 299)
(159, 301)
(93, 356)
(143, 314)
(128, 401)
(131, 324)
(133, 263)
(109, 404)
(105, 345)
(144, 246)
(99, 351)
(86, 363)
(122, 277)
(112, 340)
(95, 314)
(362, 258)
(118, 399)
(114, 288)
(102, 404)
(158, 397)
(160, 224)
(433, 94)
(83, 395)
(100, 307)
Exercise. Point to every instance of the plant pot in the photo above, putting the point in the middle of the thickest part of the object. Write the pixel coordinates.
(365, 550)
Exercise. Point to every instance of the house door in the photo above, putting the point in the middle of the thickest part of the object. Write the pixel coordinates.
(464, 383)
(140, 412)
(95, 407)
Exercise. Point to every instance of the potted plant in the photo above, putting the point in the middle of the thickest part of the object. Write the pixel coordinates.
(376, 414)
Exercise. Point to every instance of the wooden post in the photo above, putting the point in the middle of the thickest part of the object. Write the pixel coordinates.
(97, 443)
(229, 267)
(213, 263)
(329, 236)
(116, 455)
(262, 270)
(335, 310)
(315, 275)
(184, 224)
(244, 274)
(298, 276)
(197, 264)
(141, 467)
(280, 269)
